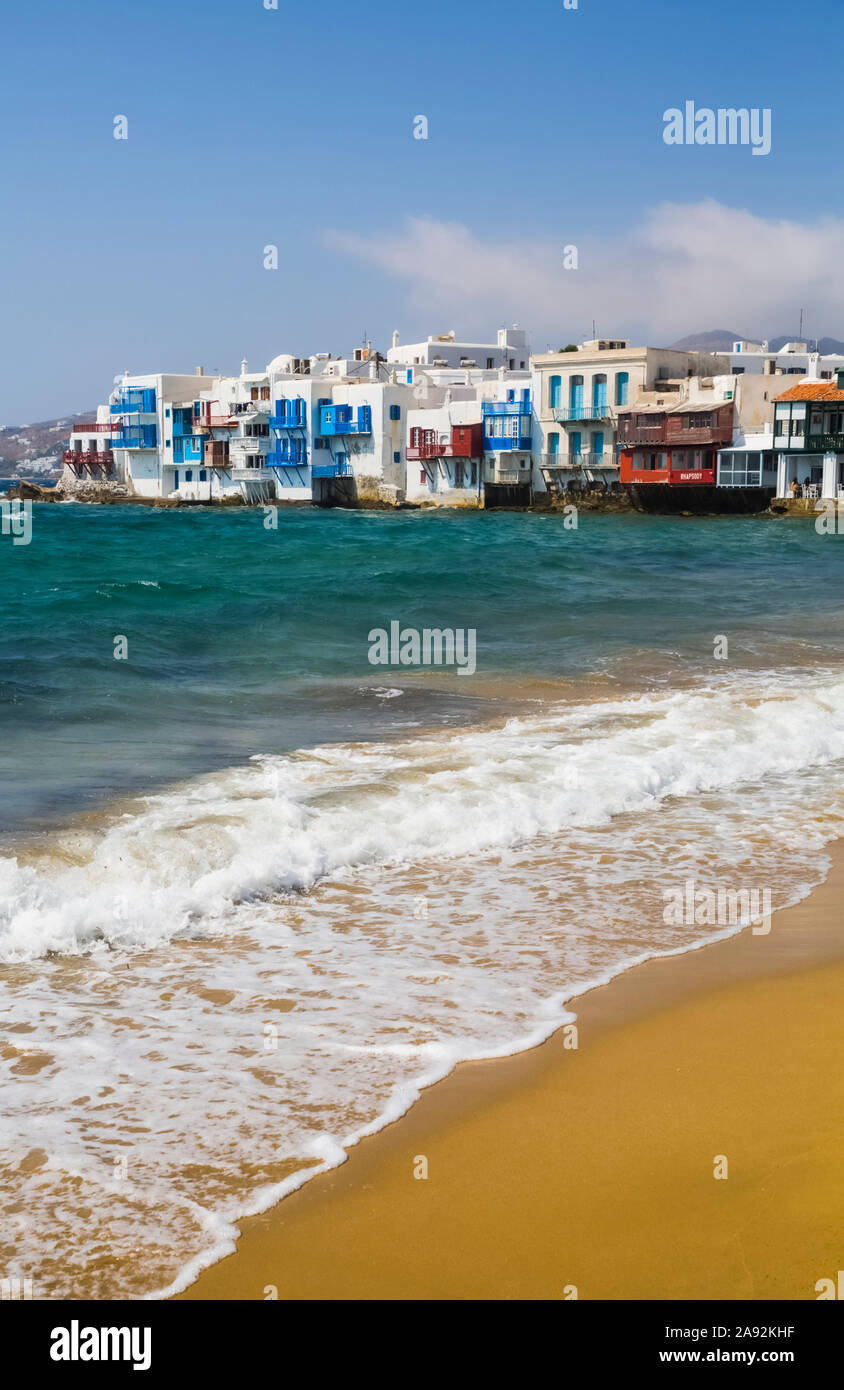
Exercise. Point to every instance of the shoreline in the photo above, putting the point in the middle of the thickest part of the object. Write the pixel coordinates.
(593, 1167)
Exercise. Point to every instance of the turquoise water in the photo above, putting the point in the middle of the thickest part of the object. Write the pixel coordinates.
(243, 640)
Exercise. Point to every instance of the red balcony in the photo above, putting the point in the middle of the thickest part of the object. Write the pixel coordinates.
(464, 442)
(677, 429)
(80, 459)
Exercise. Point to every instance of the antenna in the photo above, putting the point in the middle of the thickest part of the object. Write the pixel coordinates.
(800, 335)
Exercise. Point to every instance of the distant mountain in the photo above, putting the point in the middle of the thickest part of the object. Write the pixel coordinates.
(718, 340)
(721, 340)
(823, 345)
(36, 450)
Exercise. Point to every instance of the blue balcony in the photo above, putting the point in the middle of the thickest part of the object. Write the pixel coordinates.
(509, 407)
(182, 420)
(341, 420)
(599, 410)
(507, 425)
(138, 437)
(337, 468)
(188, 449)
(289, 415)
(292, 454)
(138, 400)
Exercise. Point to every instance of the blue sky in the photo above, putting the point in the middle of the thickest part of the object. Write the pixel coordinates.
(293, 127)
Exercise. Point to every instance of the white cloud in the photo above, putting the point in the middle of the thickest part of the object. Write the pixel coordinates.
(687, 267)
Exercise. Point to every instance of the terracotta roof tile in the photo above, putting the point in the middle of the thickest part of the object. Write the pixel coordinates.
(812, 391)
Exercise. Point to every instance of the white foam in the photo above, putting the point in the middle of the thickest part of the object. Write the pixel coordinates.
(378, 913)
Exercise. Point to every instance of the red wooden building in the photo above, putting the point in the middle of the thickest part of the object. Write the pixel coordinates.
(463, 442)
(677, 445)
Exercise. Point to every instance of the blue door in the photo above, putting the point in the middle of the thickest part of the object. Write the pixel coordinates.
(599, 396)
(176, 478)
(576, 397)
(598, 445)
(574, 445)
(556, 400)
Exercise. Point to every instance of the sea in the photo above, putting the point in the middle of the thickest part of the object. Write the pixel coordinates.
(257, 892)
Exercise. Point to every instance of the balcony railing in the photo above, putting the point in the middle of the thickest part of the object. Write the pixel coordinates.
(144, 437)
(671, 431)
(287, 458)
(247, 472)
(428, 444)
(137, 399)
(88, 458)
(506, 407)
(817, 444)
(338, 468)
(588, 461)
(337, 420)
(289, 415)
(111, 427)
(599, 410)
(506, 443)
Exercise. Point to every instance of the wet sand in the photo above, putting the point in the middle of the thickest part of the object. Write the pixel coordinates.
(593, 1168)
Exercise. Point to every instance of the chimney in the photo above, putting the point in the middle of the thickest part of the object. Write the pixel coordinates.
(199, 371)
(244, 367)
(396, 340)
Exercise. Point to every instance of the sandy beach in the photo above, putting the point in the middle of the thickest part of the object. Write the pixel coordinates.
(593, 1169)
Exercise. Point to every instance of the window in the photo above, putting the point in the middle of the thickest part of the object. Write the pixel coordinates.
(396, 458)
(556, 393)
(622, 382)
(490, 363)
(169, 443)
(167, 413)
(203, 475)
(599, 394)
(188, 475)
(512, 364)
(395, 412)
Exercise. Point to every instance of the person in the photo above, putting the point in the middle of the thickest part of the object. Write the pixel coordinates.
(795, 488)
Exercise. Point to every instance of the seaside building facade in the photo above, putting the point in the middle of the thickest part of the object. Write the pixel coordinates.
(578, 395)
(809, 439)
(697, 433)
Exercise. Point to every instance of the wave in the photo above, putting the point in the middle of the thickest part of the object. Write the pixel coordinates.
(188, 861)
